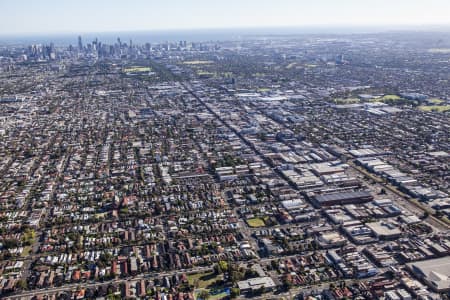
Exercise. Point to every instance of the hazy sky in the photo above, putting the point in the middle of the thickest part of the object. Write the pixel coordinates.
(53, 16)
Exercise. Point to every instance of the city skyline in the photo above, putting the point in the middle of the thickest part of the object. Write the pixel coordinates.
(48, 16)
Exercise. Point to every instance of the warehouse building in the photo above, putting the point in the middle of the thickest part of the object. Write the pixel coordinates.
(341, 198)
(434, 272)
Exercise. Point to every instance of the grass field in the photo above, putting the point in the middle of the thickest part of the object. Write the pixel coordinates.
(204, 280)
(198, 62)
(255, 222)
(436, 108)
(218, 296)
(137, 69)
(26, 251)
(205, 73)
(436, 101)
(390, 98)
(212, 296)
(346, 101)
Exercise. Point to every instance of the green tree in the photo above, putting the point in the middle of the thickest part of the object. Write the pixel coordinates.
(204, 295)
(287, 284)
(223, 265)
(235, 292)
(21, 284)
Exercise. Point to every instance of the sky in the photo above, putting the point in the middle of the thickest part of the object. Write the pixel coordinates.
(80, 16)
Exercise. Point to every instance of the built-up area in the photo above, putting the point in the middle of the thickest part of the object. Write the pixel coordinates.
(270, 168)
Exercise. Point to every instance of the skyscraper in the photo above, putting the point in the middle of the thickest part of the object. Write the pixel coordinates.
(80, 43)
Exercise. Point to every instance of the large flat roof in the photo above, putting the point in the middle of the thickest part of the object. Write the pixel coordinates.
(436, 272)
(255, 283)
(384, 229)
(342, 196)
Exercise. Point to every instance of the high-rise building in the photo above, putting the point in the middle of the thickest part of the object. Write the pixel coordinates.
(80, 43)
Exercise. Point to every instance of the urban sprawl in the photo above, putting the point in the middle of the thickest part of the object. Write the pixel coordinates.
(282, 167)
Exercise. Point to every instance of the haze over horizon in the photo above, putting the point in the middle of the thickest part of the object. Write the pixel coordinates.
(54, 17)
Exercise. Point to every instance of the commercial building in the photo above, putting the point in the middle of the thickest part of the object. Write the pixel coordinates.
(384, 230)
(341, 198)
(254, 284)
(434, 272)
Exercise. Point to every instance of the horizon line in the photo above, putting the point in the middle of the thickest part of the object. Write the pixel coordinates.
(305, 26)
